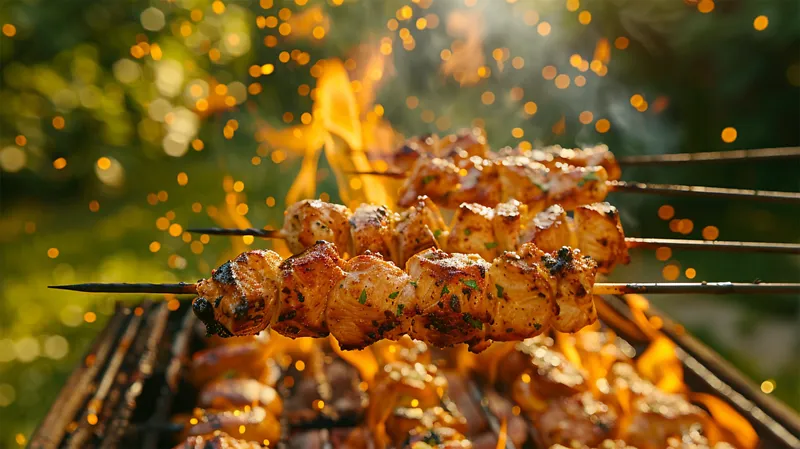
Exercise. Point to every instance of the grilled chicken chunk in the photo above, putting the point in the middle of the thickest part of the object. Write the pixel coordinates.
(550, 374)
(307, 281)
(369, 303)
(243, 359)
(228, 394)
(521, 295)
(507, 224)
(600, 235)
(417, 229)
(310, 221)
(219, 441)
(371, 229)
(524, 180)
(240, 297)
(258, 423)
(474, 180)
(574, 186)
(432, 177)
(406, 420)
(575, 275)
(550, 230)
(472, 231)
(451, 306)
(578, 419)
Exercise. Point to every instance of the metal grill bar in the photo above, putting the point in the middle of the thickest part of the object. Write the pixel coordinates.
(52, 430)
(80, 438)
(156, 326)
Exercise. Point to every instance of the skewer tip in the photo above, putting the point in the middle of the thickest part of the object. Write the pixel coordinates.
(264, 233)
(92, 287)
(387, 174)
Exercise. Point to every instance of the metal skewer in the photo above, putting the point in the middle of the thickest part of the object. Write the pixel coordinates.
(714, 245)
(713, 156)
(710, 192)
(632, 242)
(709, 288)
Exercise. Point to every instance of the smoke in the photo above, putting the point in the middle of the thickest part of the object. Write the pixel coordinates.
(487, 61)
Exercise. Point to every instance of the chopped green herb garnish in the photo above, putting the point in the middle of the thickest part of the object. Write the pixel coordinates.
(474, 322)
(490, 245)
(445, 290)
(362, 298)
(537, 326)
(592, 176)
(499, 290)
(400, 308)
(414, 283)
(471, 284)
(467, 231)
(393, 295)
(428, 179)
(437, 233)
(542, 187)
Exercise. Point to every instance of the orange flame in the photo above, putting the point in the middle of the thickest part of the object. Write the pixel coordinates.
(728, 419)
(638, 304)
(502, 435)
(337, 128)
(660, 365)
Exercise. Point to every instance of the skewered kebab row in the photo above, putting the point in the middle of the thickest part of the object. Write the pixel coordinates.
(477, 229)
(442, 299)
(472, 142)
(491, 181)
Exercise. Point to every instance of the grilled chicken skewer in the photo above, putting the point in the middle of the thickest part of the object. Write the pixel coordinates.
(489, 182)
(441, 298)
(464, 170)
(471, 142)
(595, 229)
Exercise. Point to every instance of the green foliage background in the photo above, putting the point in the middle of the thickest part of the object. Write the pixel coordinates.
(714, 70)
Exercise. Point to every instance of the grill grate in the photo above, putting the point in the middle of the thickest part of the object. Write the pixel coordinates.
(131, 382)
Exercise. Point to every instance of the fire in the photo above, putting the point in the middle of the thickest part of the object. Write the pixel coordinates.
(660, 365)
(343, 129)
(729, 420)
(502, 435)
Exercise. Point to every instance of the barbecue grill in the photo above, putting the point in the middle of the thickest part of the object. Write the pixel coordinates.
(131, 381)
